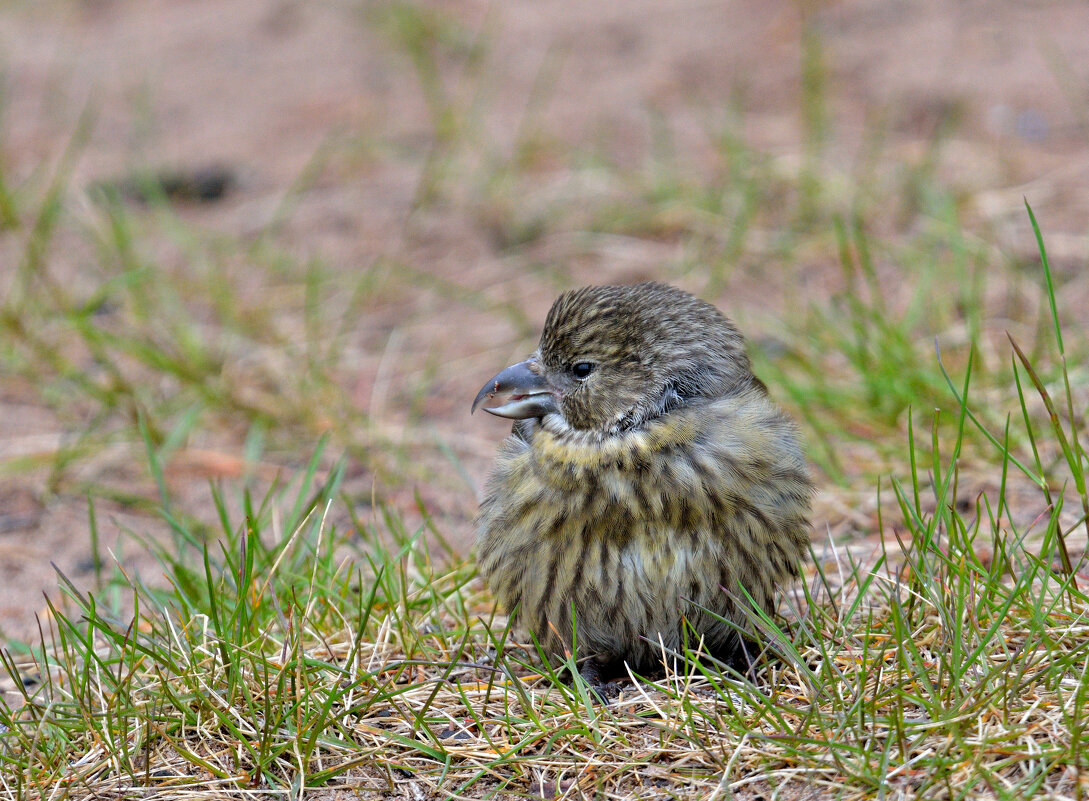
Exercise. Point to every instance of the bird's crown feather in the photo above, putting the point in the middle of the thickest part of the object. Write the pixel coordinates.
(654, 347)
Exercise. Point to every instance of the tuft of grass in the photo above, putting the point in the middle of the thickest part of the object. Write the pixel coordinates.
(217, 334)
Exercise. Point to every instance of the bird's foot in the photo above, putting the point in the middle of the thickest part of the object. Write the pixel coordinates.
(741, 657)
(594, 674)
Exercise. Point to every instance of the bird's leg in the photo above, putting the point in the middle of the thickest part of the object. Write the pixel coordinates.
(594, 674)
(740, 656)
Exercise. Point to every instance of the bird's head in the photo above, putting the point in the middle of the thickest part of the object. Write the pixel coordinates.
(613, 357)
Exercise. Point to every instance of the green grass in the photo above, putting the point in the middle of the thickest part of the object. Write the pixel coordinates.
(304, 634)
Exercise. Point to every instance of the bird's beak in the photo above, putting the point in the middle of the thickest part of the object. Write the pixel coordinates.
(528, 393)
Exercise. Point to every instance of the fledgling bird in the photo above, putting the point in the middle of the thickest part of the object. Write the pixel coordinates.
(648, 478)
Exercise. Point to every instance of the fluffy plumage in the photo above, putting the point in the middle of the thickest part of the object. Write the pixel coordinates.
(648, 477)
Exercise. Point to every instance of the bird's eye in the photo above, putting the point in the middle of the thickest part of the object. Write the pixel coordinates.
(582, 369)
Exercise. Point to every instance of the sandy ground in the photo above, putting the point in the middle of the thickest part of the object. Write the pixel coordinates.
(265, 86)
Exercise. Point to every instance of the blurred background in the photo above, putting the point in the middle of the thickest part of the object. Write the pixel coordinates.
(241, 237)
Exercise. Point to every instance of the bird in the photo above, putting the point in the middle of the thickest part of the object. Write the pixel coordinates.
(650, 492)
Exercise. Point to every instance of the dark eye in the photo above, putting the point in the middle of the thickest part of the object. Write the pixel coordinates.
(582, 369)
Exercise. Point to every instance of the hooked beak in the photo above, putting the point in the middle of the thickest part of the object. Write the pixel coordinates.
(529, 394)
